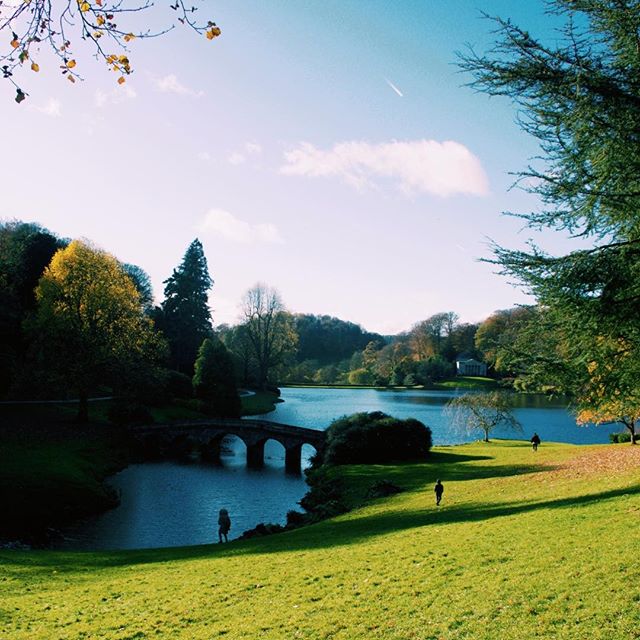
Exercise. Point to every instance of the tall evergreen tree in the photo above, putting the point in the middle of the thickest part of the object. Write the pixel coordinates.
(579, 95)
(186, 316)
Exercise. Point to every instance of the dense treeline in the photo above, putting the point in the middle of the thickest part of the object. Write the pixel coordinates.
(346, 354)
(75, 322)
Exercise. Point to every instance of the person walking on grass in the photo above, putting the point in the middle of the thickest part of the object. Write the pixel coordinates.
(224, 524)
(439, 490)
(535, 441)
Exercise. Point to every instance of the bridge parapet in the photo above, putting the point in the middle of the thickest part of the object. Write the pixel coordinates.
(254, 433)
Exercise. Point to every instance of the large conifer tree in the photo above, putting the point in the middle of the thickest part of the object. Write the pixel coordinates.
(579, 95)
(186, 316)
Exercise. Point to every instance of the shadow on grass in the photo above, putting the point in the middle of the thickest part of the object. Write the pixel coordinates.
(448, 466)
(451, 466)
(323, 535)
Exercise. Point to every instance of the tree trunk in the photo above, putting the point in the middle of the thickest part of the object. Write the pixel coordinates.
(83, 408)
(632, 429)
(486, 436)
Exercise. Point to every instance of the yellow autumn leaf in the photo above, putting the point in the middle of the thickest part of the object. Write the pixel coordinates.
(121, 80)
(15, 43)
(71, 64)
(129, 36)
(212, 33)
(84, 6)
(35, 67)
(100, 20)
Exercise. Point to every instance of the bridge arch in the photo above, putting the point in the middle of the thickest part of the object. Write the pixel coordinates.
(274, 449)
(207, 436)
(214, 446)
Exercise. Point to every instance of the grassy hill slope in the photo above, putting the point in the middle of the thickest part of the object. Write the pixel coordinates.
(524, 546)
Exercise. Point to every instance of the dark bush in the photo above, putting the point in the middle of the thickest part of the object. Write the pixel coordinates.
(382, 489)
(179, 385)
(129, 413)
(625, 436)
(295, 518)
(262, 529)
(325, 497)
(373, 438)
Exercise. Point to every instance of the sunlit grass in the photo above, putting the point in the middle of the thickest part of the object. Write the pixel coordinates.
(467, 382)
(524, 546)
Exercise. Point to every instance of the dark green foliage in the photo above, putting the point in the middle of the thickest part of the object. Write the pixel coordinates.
(409, 380)
(186, 320)
(142, 282)
(129, 413)
(625, 436)
(433, 369)
(295, 518)
(325, 497)
(25, 251)
(382, 489)
(214, 380)
(179, 385)
(373, 438)
(329, 340)
(579, 96)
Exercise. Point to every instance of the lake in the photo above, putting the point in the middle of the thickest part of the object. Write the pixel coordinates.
(172, 504)
(316, 408)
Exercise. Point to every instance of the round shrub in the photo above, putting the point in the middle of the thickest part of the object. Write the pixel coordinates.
(372, 438)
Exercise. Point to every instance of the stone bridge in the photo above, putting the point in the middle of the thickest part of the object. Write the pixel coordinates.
(208, 435)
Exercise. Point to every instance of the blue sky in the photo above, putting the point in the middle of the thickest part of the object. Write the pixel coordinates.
(327, 148)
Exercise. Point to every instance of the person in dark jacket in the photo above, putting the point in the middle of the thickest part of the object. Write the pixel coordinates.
(224, 524)
(535, 441)
(439, 490)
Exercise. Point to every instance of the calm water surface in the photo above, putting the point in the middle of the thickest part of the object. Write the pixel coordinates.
(167, 504)
(316, 408)
(170, 504)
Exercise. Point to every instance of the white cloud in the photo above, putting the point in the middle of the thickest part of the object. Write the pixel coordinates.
(236, 158)
(224, 224)
(118, 94)
(171, 84)
(253, 148)
(52, 108)
(249, 149)
(438, 168)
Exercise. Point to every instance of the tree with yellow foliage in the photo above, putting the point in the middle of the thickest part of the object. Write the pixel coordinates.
(89, 324)
(109, 25)
(611, 393)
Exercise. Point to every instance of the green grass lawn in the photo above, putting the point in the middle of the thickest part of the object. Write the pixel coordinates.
(258, 403)
(524, 546)
(467, 382)
(459, 382)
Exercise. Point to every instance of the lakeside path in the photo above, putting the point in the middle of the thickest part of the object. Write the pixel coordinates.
(525, 546)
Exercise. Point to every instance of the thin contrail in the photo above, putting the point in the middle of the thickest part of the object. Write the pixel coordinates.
(393, 86)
